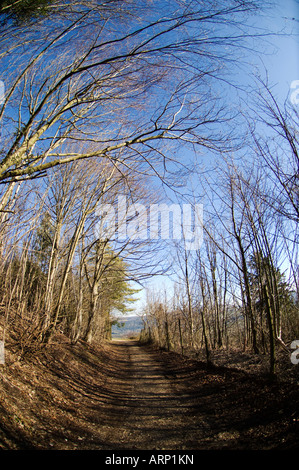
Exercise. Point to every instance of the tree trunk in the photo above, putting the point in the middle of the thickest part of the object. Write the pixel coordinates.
(271, 331)
(208, 355)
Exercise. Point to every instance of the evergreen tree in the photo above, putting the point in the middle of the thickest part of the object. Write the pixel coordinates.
(23, 11)
(43, 240)
(107, 276)
(272, 298)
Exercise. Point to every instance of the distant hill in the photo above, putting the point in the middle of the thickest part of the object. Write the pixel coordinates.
(131, 325)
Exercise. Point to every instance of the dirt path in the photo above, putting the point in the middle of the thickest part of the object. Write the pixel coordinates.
(167, 402)
(154, 414)
(125, 396)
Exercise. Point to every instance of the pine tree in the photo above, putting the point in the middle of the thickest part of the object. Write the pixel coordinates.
(23, 11)
(42, 243)
(272, 296)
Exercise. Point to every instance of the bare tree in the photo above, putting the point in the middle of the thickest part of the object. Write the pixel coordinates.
(277, 147)
(113, 78)
(280, 151)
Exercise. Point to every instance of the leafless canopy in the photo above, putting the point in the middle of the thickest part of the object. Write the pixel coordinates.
(113, 79)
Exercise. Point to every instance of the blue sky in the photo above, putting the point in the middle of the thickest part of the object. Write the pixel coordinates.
(280, 63)
(284, 65)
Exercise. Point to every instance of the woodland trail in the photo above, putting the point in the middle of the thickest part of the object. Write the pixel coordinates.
(128, 396)
(163, 401)
(156, 409)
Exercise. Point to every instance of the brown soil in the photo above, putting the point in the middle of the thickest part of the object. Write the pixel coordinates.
(124, 395)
